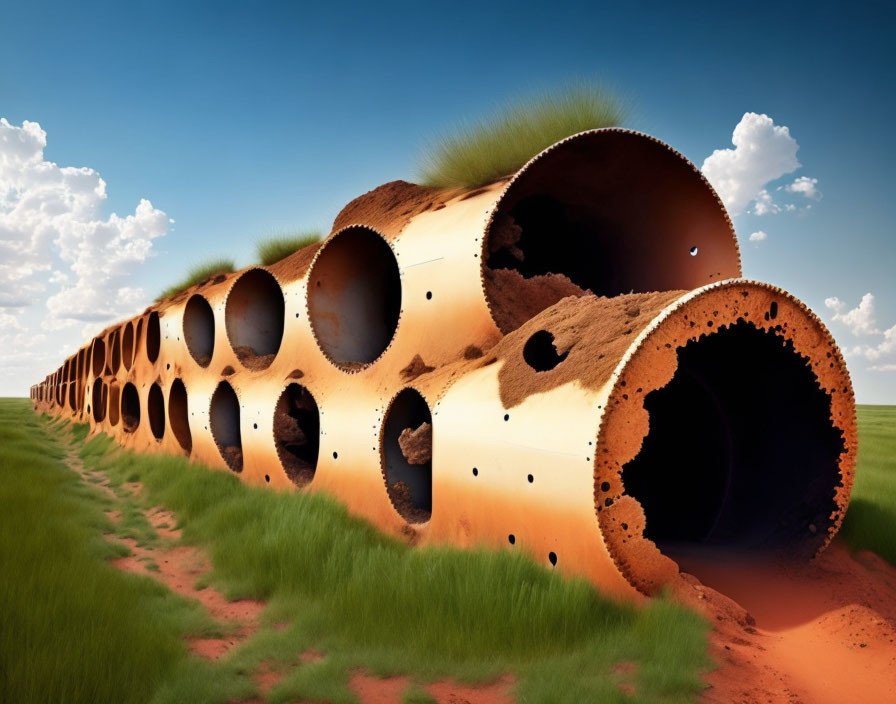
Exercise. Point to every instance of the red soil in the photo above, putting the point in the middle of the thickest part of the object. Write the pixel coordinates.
(818, 633)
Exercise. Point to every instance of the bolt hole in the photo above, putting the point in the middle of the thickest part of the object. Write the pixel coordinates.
(552, 557)
(693, 251)
(429, 295)
(475, 472)
(335, 455)
(267, 477)
(511, 538)
(506, 416)
(255, 426)
(531, 478)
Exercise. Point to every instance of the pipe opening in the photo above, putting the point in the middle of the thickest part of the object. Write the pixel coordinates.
(406, 455)
(178, 415)
(127, 345)
(115, 344)
(98, 357)
(99, 398)
(72, 392)
(199, 329)
(540, 353)
(253, 317)
(114, 403)
(354, 297)
(609, 212)
(130, 408)
(155, 409)
(297, 433)
(153, 337)
(225, 424)
(741, 453)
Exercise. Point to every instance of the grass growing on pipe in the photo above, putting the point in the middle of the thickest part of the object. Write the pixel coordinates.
(272, 250)
(482, 152)
(198, 274)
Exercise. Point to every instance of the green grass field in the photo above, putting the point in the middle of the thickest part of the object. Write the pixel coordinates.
(871, 519)
(76, 629)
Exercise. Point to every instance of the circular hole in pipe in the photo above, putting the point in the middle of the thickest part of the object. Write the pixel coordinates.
(115, 350)
(98, 357)
(199, 329)
(253, 317)
(153, 337)
(114, 403)
(179, 416)
(224, 418)
(540, 353)
(354, 297)
(155, 410)
(297, 433)
(607, 211)
(127, 345)
(406, 455)
(130, 408)
(100, 400)
(728, 435)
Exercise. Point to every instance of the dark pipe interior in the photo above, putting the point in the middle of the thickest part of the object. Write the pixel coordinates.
(178, 415)
(741, 451)
(225, 424)
(115, 343)
(297, 433)
(410, 485)
(98, 357)
(127, 346)
(114, 403)
(155, 408)
(153, 337)
(614, 212)
(354, 297)
(130, 408)
(253, 317)
(199, 329)
(99, 400)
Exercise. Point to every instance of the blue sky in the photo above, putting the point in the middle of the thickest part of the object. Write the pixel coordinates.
(240, 119)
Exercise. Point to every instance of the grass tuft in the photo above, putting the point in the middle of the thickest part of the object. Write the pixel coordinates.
(273, 249)
(483, 152)
(198, 274)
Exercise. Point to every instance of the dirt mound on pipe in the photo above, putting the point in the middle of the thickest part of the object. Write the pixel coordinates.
(593, 332)
(389, 207)
(249, 359)
(416, 444)
(233, 456)
(416, 367)
(516, 299)
(295, 266)
(400, 495)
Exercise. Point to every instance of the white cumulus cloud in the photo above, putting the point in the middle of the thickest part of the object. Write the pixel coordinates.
(805, 186)
(763, 152)
(63, 261)
(860, 320)
(758, 236)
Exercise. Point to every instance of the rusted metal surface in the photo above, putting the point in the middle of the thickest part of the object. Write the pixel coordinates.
(388, 341)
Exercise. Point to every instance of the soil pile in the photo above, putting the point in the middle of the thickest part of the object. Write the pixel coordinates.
(296, 434)
(416, 367)
(514, 299)
(296, 265)
(233, 456)
(416, 444)
(389, 207)
(400, 495)
(251, 360)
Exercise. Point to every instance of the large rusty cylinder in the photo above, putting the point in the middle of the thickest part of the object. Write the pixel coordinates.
(562, 363)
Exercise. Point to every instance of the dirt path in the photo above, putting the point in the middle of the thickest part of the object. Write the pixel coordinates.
(816, 633)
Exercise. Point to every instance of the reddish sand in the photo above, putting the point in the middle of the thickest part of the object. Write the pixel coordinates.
(372, 690)
(817, 633)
